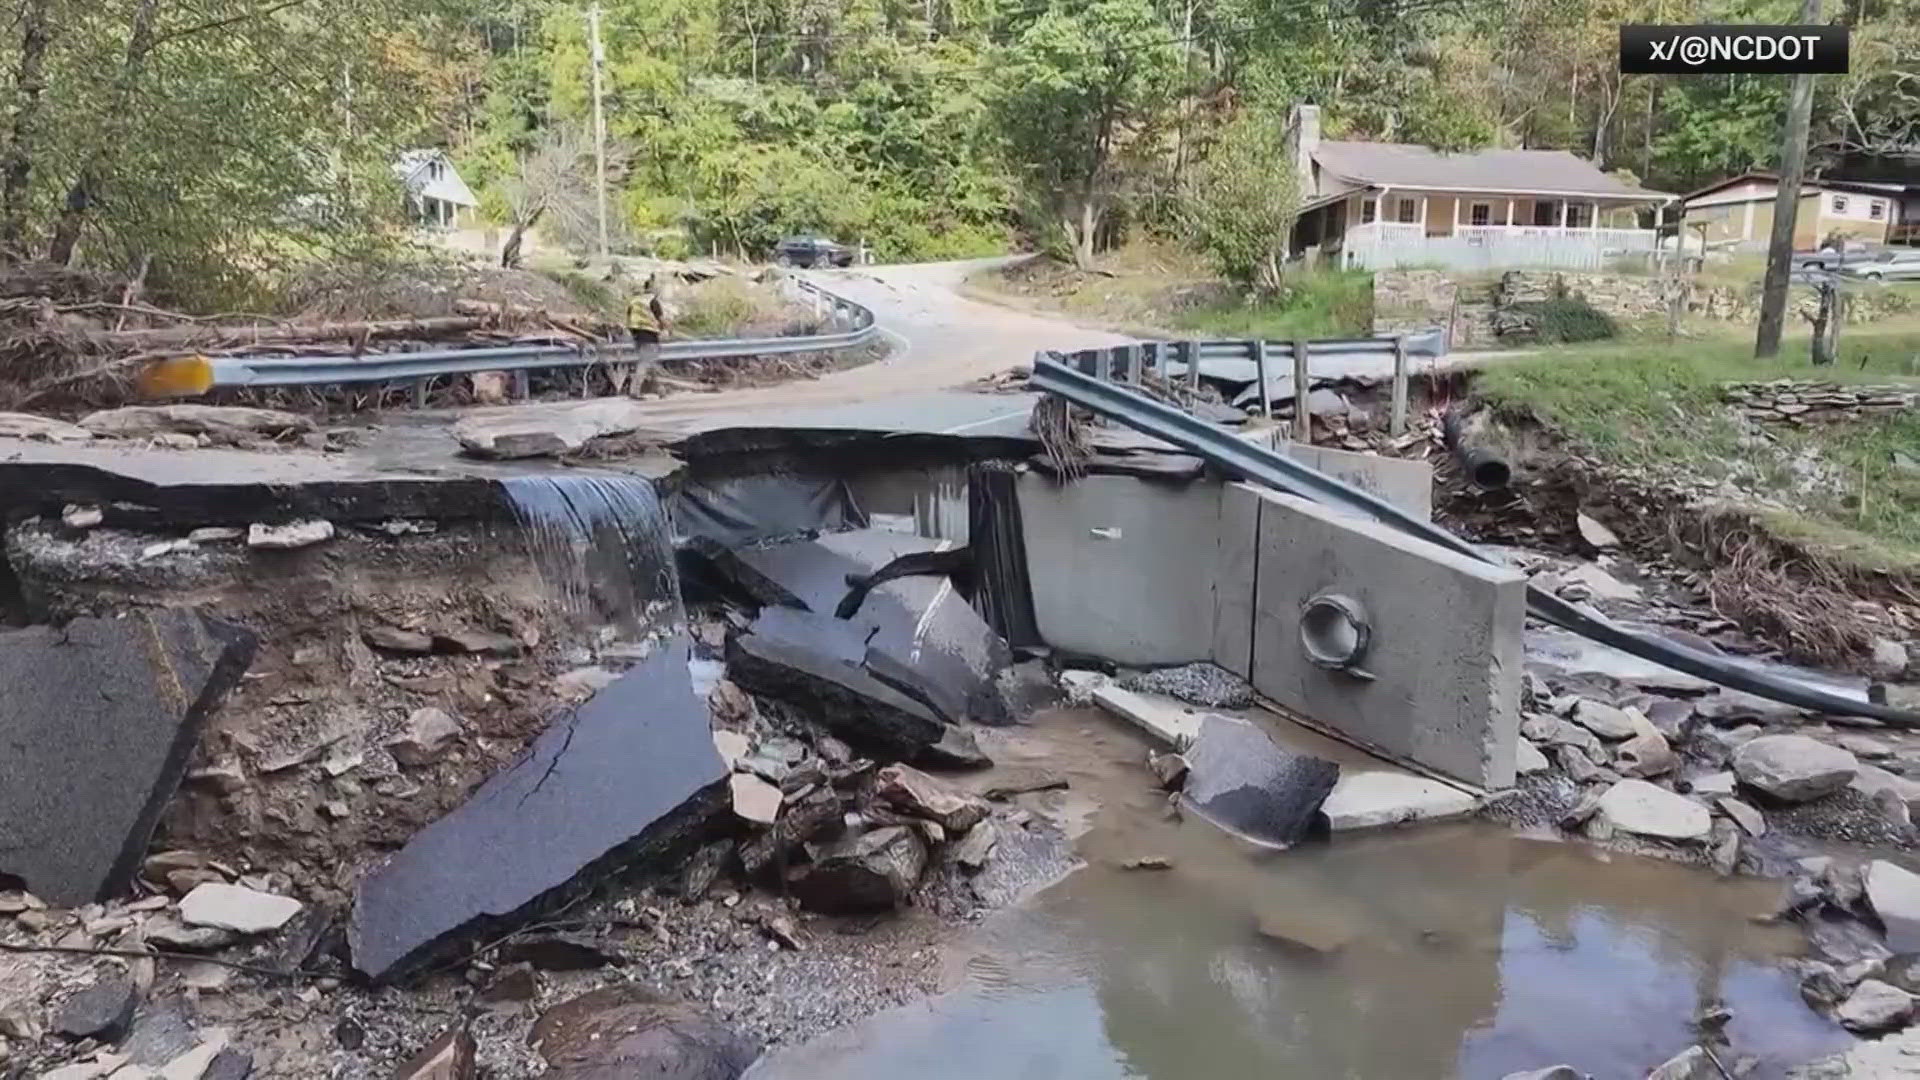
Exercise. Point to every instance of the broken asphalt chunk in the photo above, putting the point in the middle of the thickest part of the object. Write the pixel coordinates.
(624, 773)
(103, 1011)
(819, 661)
(1239, 780)
(100, 718)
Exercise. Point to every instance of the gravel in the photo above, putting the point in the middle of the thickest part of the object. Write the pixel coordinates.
(1200, 684)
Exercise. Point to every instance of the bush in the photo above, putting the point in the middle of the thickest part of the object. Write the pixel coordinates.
(1566, 319)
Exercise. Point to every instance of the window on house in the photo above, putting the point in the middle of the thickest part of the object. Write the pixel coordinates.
(1546, 212)
(1407, 211)
(1839, 204)
(1579, 216)
(1480, 214)
(1369, 210)
(1877, 210)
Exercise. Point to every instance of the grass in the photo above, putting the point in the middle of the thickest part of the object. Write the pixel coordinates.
(1312, 304)
(1854, 486)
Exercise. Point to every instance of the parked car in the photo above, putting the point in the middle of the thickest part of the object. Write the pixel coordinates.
(1891, 265)
(810, 251)
(1832, 258)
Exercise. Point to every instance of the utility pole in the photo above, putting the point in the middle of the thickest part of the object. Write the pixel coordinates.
(600, 124)
(1786, 206)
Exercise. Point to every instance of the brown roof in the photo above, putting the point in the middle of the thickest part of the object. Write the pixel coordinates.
(1518, 171)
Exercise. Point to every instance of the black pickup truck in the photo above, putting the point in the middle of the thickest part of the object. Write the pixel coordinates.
(811, 251)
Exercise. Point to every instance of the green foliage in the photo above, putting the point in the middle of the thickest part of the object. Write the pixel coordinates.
(1242, 200)
(1567, 319)
(1311, 304)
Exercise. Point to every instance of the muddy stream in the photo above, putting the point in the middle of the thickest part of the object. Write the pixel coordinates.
(1445, 951)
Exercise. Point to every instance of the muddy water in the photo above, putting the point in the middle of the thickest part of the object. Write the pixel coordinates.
(1450, 951)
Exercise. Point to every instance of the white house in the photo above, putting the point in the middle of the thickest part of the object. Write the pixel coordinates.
(436, 196)
(1382, 205)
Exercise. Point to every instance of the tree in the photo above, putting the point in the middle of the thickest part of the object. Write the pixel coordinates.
(555, 181)
(1080, 90)
(1241, 203)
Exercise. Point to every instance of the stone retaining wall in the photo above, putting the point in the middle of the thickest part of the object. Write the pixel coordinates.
(1797, 401)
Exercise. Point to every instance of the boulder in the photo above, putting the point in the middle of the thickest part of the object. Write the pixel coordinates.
(103, 1011)
(1750, 820)
(1646, 754)
(623, 1032)
(1711, 785)
(1793, 768)
(1889, 660)
(237, 908)
(1644, 809)
(167, 932)
(864, 873)
(427, 736)
(1604, 720)
(288, 537)
(1894, 893)
(1528, 759)
(1552, 731)
(914, 792)
(1875, 1006)
(1594, 533)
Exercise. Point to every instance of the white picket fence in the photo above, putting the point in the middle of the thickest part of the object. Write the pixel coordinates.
(1389, 245)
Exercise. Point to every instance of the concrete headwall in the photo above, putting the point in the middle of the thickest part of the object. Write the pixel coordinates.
(1442, 684)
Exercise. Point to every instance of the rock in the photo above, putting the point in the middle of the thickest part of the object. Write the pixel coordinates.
(732, 746)
(1645, 809)
(1894, 808)
(1669, 717)
(1601, 584)
(1644, 755)
(42, 428)
(1594, 533)
(628, 770)
(449, 1057)
(230, 1064)
(704, 869)
(755, 800)
(914, 792)
(1749, 819)
(288, 537)
(81, 517)
(1528, 759)
(103, 1011)
(1552, 1072)
(547, 430)
(1170, 769)
(1889, 659)
(1581, 812)
(1820, 985)
(582, 683)
(1576, 764)
(559, 952)
(1689, 1064)
(1711, 785)
(871, 871)
(1552, 731)
(784, 932)
(1148, 862)
(1302, 929)
(216, 534)
(976, 847)
(195, 1063)
(167, 932)
(224, 422)
(1875, 1006)
(513, 985)
(1894, 893)
(425, 739)
(1604, 720)
(99, 719)
(957, 749)
(729, 703)
(1865, 747)
(1793, 768)
(1723, 851)
(478, 642)
(625, 1031)
(394, 639)
(237, 908)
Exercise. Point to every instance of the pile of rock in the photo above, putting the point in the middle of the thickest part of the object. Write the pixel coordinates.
(1800, 401)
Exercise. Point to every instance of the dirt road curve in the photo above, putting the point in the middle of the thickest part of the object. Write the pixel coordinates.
(939, 339)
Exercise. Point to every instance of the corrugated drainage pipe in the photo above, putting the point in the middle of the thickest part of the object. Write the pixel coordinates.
(1485, 468)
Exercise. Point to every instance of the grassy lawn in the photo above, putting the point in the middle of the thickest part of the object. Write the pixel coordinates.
(1657, 405)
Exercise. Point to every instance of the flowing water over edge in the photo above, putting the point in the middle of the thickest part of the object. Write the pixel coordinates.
(602, 544)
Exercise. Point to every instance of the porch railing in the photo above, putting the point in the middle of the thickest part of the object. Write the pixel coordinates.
(1492, 247)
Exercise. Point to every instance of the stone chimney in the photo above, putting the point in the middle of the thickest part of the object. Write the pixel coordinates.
(1304, 134)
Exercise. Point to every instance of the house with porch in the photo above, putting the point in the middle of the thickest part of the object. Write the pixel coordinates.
(1384, 205)
(1738, 212)
(436, 196)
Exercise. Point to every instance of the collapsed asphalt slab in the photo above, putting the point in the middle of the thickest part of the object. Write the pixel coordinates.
(98, 719)
(1242, 782)
(922, 637)
(798, 655)
(622, 776)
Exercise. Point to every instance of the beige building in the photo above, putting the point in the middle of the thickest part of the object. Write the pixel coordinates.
(1738, 212)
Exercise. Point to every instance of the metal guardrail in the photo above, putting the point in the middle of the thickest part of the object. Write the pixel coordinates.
(1067, 376)
(269, 371)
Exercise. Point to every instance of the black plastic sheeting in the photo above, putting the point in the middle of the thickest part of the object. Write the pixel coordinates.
(1002, 589)
(751, 509)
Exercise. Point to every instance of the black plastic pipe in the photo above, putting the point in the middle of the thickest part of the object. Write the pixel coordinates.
(1485, 468)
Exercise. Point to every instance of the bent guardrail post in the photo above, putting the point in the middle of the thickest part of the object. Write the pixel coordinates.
(1245, 460)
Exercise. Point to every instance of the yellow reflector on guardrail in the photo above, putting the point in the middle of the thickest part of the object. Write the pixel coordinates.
(179, 376)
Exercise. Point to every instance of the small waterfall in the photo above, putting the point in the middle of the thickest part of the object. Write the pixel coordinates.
(602, 545)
